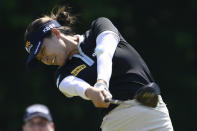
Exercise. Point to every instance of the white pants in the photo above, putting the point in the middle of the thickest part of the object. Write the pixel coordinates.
(136, 117)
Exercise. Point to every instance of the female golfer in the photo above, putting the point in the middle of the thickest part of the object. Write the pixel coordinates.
(97, 65)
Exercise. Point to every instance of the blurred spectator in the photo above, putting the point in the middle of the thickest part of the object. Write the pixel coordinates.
(38, 118)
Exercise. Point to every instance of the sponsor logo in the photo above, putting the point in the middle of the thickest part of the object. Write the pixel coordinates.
(78, 69)
(49, 27)
(28, 46)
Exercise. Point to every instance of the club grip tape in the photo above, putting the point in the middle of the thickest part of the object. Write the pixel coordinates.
(106, 100)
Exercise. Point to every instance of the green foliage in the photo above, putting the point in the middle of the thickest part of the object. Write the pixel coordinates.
(184, 39)
(163, 32)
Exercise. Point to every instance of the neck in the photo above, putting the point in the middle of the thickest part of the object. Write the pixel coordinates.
(75, 46)
(72, 42)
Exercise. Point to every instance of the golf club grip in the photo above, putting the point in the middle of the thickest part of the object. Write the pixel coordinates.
(107, 100)
(112, 101)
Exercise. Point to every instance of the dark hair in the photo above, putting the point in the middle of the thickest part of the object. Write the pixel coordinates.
(62, 15)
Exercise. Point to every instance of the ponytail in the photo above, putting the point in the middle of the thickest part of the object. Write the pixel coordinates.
(64, 17)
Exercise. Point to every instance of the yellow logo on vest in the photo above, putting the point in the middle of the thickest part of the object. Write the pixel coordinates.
(79, 68)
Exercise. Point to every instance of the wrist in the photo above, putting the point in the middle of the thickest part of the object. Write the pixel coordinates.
(101, 84)
(103, 81)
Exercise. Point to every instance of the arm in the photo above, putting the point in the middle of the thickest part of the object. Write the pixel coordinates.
(106, 44)
(105, 48)
(107, 39)
(72, 86)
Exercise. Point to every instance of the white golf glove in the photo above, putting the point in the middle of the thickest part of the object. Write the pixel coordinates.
(102, 85)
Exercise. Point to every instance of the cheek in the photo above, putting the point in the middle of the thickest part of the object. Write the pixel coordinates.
(61, 55)
(50, 51)
(51, 47)
(61, 51)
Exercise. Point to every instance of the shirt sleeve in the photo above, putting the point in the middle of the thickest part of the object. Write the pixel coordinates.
(72, 86)
(102, 24)
(106, 44)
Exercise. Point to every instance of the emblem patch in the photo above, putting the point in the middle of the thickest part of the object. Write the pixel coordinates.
(28, 46)
(78, 69)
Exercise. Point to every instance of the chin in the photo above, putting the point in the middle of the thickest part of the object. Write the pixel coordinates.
(60, 63)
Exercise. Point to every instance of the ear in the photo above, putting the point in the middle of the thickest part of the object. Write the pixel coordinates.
(56, 32)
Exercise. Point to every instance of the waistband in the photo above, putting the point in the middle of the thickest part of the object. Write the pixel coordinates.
(127, 103)
(135, 102)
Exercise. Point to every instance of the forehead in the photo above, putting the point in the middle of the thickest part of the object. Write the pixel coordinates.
(37, 119)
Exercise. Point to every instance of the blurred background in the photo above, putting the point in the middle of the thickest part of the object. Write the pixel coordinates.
(162, 31)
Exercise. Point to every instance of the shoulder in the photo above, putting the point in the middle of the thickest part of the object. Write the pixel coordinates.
(72, 67)
(64, 71)
(102, 24)
(100, 20)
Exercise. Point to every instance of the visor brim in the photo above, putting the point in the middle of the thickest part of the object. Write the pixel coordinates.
(31, 60)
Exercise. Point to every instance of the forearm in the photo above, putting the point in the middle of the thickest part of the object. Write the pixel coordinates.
(72, 86)
(106, 46)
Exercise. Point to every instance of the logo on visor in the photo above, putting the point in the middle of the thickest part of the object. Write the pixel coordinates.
(28, 46)
(47, 28)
